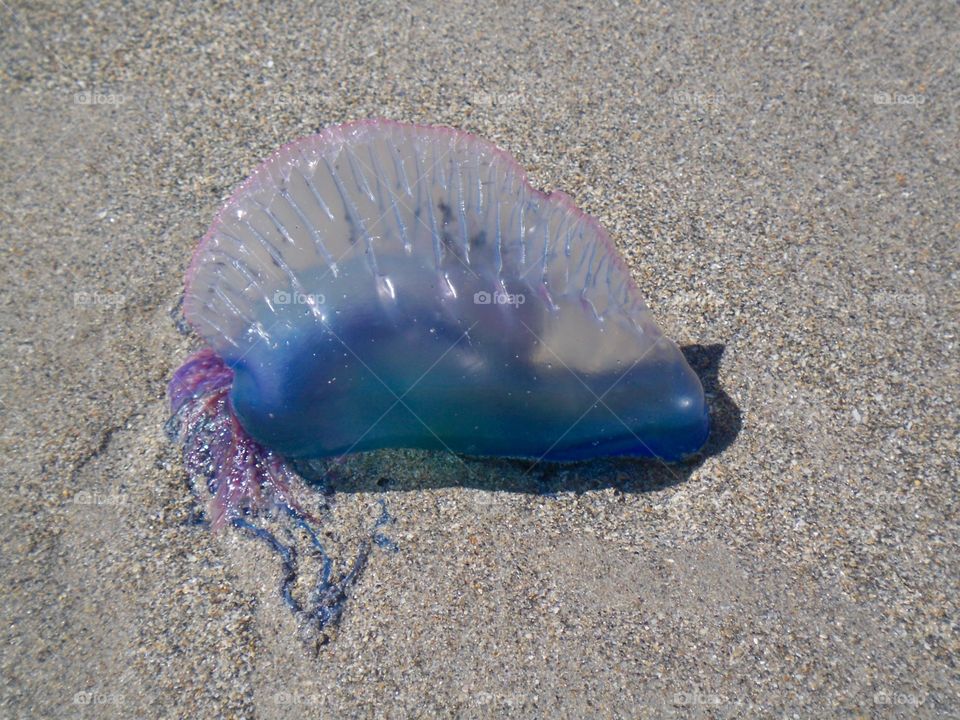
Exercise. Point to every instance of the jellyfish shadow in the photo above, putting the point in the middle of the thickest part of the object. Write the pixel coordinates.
(633, 475)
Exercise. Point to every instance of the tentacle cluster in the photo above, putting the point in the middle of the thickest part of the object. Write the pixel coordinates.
(242, 476)
(243, 479)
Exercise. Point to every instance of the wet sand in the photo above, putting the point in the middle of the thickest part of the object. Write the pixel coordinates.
(784, 184)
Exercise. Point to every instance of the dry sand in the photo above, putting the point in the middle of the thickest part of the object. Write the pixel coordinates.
(785, 185)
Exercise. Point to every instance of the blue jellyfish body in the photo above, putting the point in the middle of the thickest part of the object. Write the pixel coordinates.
(389, 285)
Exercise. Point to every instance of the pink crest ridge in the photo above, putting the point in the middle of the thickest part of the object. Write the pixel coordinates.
(343, 132)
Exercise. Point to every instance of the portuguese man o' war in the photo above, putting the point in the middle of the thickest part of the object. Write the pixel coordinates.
(387, 285)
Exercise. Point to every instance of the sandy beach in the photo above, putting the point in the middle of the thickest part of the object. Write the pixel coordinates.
(784, 184)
